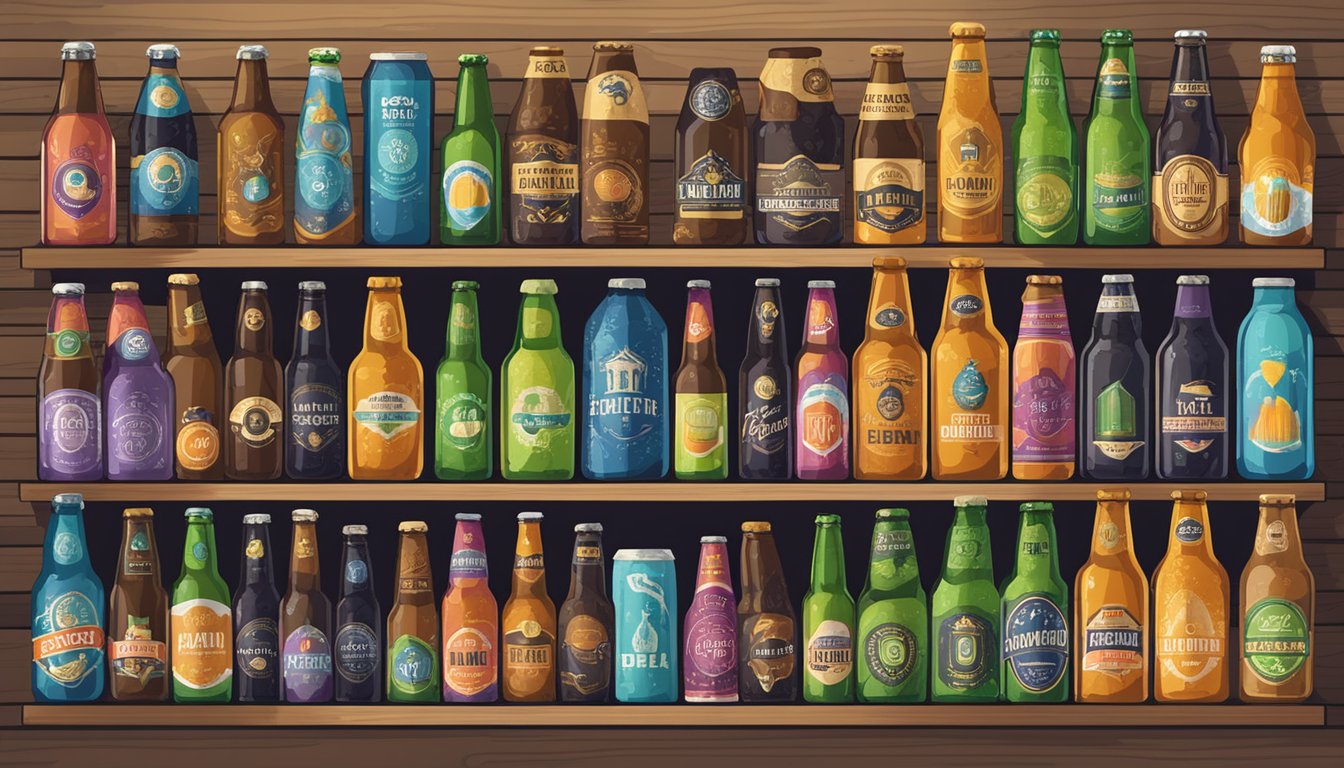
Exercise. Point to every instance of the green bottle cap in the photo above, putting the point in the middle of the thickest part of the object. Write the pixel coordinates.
(893, 513)
(1117, 37)
(473, 59)
(1037, 506)
(202, 513)
(465, 285)
(544, 287)
(324, 55)
(828, 520)
(1045, 35)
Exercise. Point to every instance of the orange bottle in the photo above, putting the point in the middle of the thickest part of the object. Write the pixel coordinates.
(79, 158)
(1277, 157)
(1044, 430)
(387, 428)
(890, 383)
(970, 145)
(1111, 611)
(969, 382)
(529, 621)
(470, 620)
(1190, 609)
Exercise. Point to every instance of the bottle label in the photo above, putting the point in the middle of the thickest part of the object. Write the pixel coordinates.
(966, 305)
(538, 416)
(1036, 643)
(251, 161)
(68, 342)
(965, 644)
(968, 545)
(307, 665)
(800, 194)
(890, 651)
(72, 431)
(68, 639)
(823, 409)
(164, 182)
(618, 407)
(1275, 426)
(585, 656)
(197, 442)
(315, 416)
(135, 433)
(467, 563)
(138, 656)
(711, 643)
(614, 186)
(1275, 539)
(547, 67)
(969, 391)
(1189, 88)
(1115, 424)
(830, 652)
(615, 95)
(1118, 302)
(462, 421)
(1195, 419)
(765, 421)
(888, 389)
(710, 100)
(1191, 196)
(970, 172)
(77, 185)
(804, 79)
(323, 169)
(357, 652)
(1276, 199)
(1113, 642)
(1189, 530)
(545, 178)
(1043, 427)
(413, 663)
(387, 414)
(468, 193)
(711, 189)
(771, 654)
(469, 665)
(701, 430)
(202, 640)
(1045, 193)
(1119, 198)
(162, 96)
(887, 101)
(1276, 640)
(254, 419)
(258, 649)
(1113, 80)
(888, 193)
(966, 67)
(529, 657)
(1191, 642)
(398, 123)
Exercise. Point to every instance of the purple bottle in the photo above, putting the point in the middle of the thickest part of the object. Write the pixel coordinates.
(470, 620)
(711, 628)
(138, 394)
(821, 412)
(71, 437)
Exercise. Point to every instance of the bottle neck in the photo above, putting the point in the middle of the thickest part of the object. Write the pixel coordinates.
(1036, 551)
(1117, 316)
(1115, 89)
(310, 329)
(587, 572)
(65, 538)
(1190, 530)
(828, 560)
(1190, 64)
(468, 565)
(967, 300)
(539, 322)
(198, 554)
(474, 107)
(256, 566)
(251, 88)
(1044, 315)
(968, 556)
(1193, 303)
(891, 560)
(385, 321)
(713, 566)
(355, 571)
(698, 344)
(1110, 529)
(463, 341)
(187, 323)
(415, 580)
(609, 61)
(79, 92)
(760, 560)
(67, 316)
(1044, 91)
(1278, 91)
(889, 315)
(139, 555)
(822, 329)
(968, 61)
(529, 563)
(303, 564)
(1274, 297)
(887, 71)
(766, 332)
(1276, 536)
(254, 324)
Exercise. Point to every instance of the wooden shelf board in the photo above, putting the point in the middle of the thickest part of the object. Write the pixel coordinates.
(935, 256)
(685, 715)
(670, 491)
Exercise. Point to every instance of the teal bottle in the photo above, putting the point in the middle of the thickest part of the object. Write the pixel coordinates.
(469, 206)
(324, 176)
(965, 614)
(1276, 422)
(1045, 150)
(69, 612)
(1035, 606)
(893, 617)
(1116, 208)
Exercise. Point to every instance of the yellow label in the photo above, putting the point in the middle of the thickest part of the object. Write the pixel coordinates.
(970, 171)
(202, 640)
(194, 315)
(804, 79)
(1191, 196)
(886, 101)
(615, 95)
(1191, 637)
(252, 163)
(254, 319)
(311, 320)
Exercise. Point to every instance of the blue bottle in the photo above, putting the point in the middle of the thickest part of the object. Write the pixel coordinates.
(625, 434)
(69, 611)
(324, 208)
(644, 592)
(314, 394)
(1275, 372)
(398, 92)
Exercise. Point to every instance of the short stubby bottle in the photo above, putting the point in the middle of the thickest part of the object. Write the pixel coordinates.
(1276, 423)
(68, 604)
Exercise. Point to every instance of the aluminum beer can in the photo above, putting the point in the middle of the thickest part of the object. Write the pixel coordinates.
(644, 591)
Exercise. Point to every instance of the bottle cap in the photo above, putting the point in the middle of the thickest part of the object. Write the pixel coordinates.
(1045, 35)
(68, 289)
(803, 52)
(612, 45)
(324, 55)
(970, 501)
(889, 262)
(640, 555)
(465, 285)
(1273, 282)
(126, 285)
(546, 50)
(1192, 280)
(966, 29)
(1044, 280)
(473, 59)
(698, 284)
(257, 519)
(354, 530)
(1117, 37)
(1189, 495)
(303, 516)
(767, 282)
(1110, 279)
(1278, 54)
(1113, 494)
(820, 284)
(384, 282)
(1037, 506)
(1193, 35)
(183, 278)
(886, 52)
(78, 51)
(252, 53)
(713, 539)
(412, 526)
(530, 517)
(467, 516)
(588, 528)
(202, 513)
(68, 498)
(136, 512)
(827, 520)
(893, 513)
(755, 526)
(967, 262)
(1277, 499)
(160, 51)
(545, 287)
(254, 285)
(627, 283)
(398, 56)
(312, 286)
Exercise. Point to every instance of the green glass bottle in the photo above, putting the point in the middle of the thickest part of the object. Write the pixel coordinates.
(893, 638)
(1035, 608)
(463, 438)
(828, 621)
(965, 623)
(470, 210)
(1045, 150)
(536, 393)
(1119, 156)
(201, 621)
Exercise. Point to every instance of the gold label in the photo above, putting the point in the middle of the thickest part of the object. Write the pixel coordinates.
(1192, 195)
(546, 178)
(252, 163)
(164, 97)
(385, 326)
(1108, 536)
(254, 420)
(1189, 88)
(311, 320)
(615, 95)
(194, 315)
(547, 66)
(197, 445)
(886, 101)
(765, 387)
(1275, 539)
(303, 548)
(970, 172)
(253, 319)
(888, 193)
(1191, 638)
(804, 79)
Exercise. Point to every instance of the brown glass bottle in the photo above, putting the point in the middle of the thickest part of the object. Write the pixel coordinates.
(542, 147)
(528, 622)
(79, 158)
(253, 389)
(198, 381)
(305, 620)
(767, 631)
(137, 647)
(1278, 609)
(70, 418)
(888, 157)
(711, 162)
(615, 147)
(250, 147)
(586, 620)
(412, 637)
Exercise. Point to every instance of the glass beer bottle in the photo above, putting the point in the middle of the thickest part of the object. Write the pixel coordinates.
(70, 443)
(413, 623)
(137, 394)
(710, 634)
(137, 621)
(615, 145)
(765, 391)
(1190, 161)
(528, 622)
(358, 648)
(542, 146)
(1192, 379)
(890, 383)
(585, 622)
(67, 604)
(1276, 372)
(1044, 432)
(888, 157)
(164, 206)
(970, 145)
(256, 616)
(965, 611)
(711, 158)
(1110, 611)
(536, 393)
(469, 204)
(201, 620)
(1277, 157)
(892, 640)
(79, 158)
(767, 631)
(305, 620)
(1278, 609)
(1114, 421)
(198, 381)
(470, 619)
(1190, 609)
(253, 390)
(1045, 150)
(1119, 156)
(1034, 607)
(701, 394)
(821, 447)
(463, 436)
(828, 620)
(250, 152)
(314, 394)
(324, 208)
(386, 393)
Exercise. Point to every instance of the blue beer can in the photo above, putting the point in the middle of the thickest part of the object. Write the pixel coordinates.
(644, 590)
(398, 92)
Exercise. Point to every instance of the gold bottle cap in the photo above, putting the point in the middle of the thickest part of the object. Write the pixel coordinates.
(1044, 280)
(139, 512)
(1113, 494)
(884, 51)
(126, 285)
(303, 516)
(612, 45)
(1277, 499)
(384, 282)
(412, 526)
(183, 278)
(1189, 495)
(966, 29)
(889, 262)
(967, 262)
(755, 526)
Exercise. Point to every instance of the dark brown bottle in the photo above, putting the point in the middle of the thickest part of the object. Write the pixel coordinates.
(615, 148)
(253, 389)
(305, 620)
(198, 380)
(138, 615)
(767, 633)
(542, 147)
(251, 147)
(585, 622)
(711, 162)
(888, 157)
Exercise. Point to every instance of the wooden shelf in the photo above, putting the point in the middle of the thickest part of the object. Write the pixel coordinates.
(669, 491)
(933, 256)
(684, 715)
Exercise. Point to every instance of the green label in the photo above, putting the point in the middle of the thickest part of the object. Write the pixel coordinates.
(1276, 639)
(462, 421)
(1119, 199)
(701, 432)
(462, 325)
(1045, 193)
(412, 666)
(890, 651)
(68, 343)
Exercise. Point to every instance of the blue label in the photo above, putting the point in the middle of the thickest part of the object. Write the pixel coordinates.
(1036, 643)
(325, 173)
(357, 654)
(68, 639)
(356, 572)
(622, 405)
(969, 388)
(468, 193)
(165, 182)
(162, 96)
(200, 551)
(398, 124)
(134, 344)
(256, 189)
(710, 189)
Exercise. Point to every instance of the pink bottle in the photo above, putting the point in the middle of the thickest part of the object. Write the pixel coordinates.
(822, 408)
(710, 669)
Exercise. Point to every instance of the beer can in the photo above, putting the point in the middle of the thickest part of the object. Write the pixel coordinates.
(644, 591)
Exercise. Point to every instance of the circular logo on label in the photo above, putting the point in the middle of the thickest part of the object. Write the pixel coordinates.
(72, 426)
(356, 572)
(134, 344)
(890, 317)
(1108, 535)
(711, 100)
(254, 319)
(385, 324)
(1188, 193)
(890, 403)
(1189, 530)
(1276, 537)
(767, 314)
(966, 305)
(322, 180)
(197, 445)
(397, 151)
(76, 188)
(255, 549)
(1277, 639)
(67, 343)
(468, 189)
(765, 387)
(199, 551)
(256, 189)
(165, 173)
(616, 88)
(256, 423)
(816, 81)
(310, 321)
(66, 549)
(1045, 200)
(1036, 643)
(357, 651)
(969, 389)
(890, 651)
(612, 185)
(163, 96)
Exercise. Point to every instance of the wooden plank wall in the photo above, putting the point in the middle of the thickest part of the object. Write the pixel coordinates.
(671, 38)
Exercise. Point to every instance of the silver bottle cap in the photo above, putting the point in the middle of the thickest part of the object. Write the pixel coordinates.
(588, 528)
(767, 282)
(201, 512)
(257, 519)
(698, 284)
(254, 285)
(467, 516)
(355, 530)
(1278, 54)
(644, 554)
(398, 56)
(530, 517)
(163, 51)
(970, 501)
(713, 539)
(1108, 279)
(627, 283)
(312, 285)
(303, 515)
(252, 53)
(820, 283)
(1192, 280)
(68, 289)
(68, 498)
(78, 51)
(1273, 282)
(1191, 34)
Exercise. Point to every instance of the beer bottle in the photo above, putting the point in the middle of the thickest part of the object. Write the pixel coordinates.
(413, 623)
(585, 622)
(764, 391)
(528, 621)
(1045, 150)
(398, 95)
(256, 616)
(1119, 158)
(969, 381)
(711, 156)
(469, 208)
(645, 600)
(70, 445)
(464, 440)
(79, 158)
(822, 389)
(1278, 604)
(710, 645)
(386, 393)
(470, 619)
(798, 145)
(1276, 424)
(1192, 389)
(1190, 605)
(165, 178)
(1190, 154)
(701, 394)
(615, 167)
(536, 393)
(966, 611)
(893, 617)
(137, 394)
(250, 146)
(970, 144)
(198, 381)
(1110, 615)
(305, 619)
(1044, 386)
(543, 147)
(1277, 157)
(324, 208)
(828, 620)
(314, 394)
(1034, 606)
(888, 157)
(201, 621)
(1114, 425)
(67, 611)
(767, 632)
(358, 650)
(253, 384)
(890, 383)
(137, 647)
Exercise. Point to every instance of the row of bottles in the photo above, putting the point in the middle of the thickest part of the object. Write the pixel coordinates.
(975, 642)
(585, 177)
